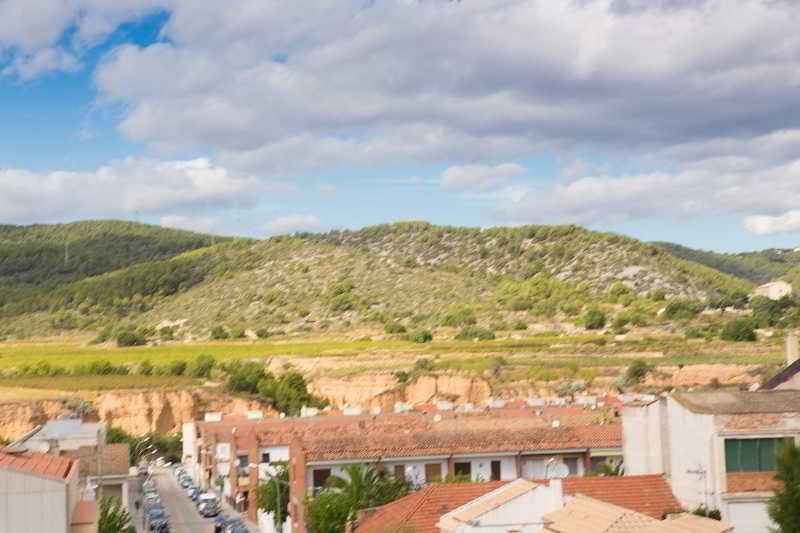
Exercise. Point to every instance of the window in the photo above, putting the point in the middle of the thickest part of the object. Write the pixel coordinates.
(400, 471)
(572, 465)
(242, 461)
(462, 469)
(265, 457)
(321, 476)
(433, 472)
(752, 455)
(495, 471)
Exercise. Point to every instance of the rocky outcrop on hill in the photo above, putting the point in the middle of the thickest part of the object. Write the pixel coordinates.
(17, 418)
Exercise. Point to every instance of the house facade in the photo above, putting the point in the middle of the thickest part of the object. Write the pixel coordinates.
(716, 448)
(234, 457)
(40, 493)
(774, 290)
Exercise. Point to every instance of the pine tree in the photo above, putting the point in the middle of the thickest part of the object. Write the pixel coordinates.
(784, 506)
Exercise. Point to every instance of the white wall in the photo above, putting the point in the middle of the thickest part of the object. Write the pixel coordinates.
(747, 517)
(32, 504)
(642, 444)
(693, 470)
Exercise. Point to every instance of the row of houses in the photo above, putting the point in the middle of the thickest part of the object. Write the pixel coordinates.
(711, 449)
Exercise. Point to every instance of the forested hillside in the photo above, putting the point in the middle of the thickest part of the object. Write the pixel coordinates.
(36, 259)
(756, 267)
(405, 275)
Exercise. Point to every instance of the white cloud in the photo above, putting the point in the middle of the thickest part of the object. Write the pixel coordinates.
(293, 223)
(765, 225)
(42, 62)
(127, 187)
(278, 88)
(190, 223)
(480, 177)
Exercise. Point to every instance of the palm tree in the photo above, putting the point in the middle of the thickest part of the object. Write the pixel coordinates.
(113, 517)
(364, 486)
(611, 468)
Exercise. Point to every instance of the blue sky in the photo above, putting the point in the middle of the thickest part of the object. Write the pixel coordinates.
(664, 120)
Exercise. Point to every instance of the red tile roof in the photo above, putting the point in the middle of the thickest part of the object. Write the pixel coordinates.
(375, 445)
(421, 510)
(650, 495)
(41, 464)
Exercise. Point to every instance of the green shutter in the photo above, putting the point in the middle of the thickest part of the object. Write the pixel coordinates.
(732, 455)
(748, 455)
(766, 454)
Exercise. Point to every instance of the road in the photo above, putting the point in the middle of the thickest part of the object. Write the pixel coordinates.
(183, 516)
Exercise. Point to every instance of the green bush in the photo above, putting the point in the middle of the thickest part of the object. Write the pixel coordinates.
(594, 318)
(167, 333)
(636, 372)
(519, 325)
(131, 338)
(683, 309)
(738, 330)
(475, 332)
(263, 333)
(393, 328)
(457, 315)
(219, 333)
(424, 364)
(145, 368)
(176, 368)
(201, 367)
(421, 336)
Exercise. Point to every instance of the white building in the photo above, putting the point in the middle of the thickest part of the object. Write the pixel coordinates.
(716, 449)
(774, 290)
(39, 493)
(66, 434)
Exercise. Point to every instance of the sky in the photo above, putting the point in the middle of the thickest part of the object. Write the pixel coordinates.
(674, 120)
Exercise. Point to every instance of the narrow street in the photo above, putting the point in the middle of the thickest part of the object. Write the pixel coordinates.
(183, 516)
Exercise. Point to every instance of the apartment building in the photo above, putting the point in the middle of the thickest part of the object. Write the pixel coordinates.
(716, 448)
(233, 455)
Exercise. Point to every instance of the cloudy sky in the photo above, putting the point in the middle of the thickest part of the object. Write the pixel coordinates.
(662, 119)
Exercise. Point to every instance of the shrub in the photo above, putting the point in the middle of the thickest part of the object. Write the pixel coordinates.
(594, 318)
(423, 365)
(475, 332)
(263, 333)
(519, 325)
(394, 328)
(238, 333)
(219, 333)
(131, 338)
(176, 368)
(145, 368)
(421, 336)
(402, 376)
(201, 367)
(636, 372)
(738, 330)
(457, 315)
(167, 333)
(683, 309)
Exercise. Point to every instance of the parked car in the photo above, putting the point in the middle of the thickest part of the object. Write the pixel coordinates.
(157, 520)
(186, 482)
(222, 521)
(193, 492)
(235, 526)
(149, 487)
(208, 505)
(151, 500)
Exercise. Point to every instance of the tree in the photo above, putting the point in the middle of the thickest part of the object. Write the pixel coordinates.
(739, 330)
(784, 506)
(594, 318)
(362, 487)
(272, 495)
(113, 517)
(131, 338)
(421, 336)
(219, 333)
(636, 372)
(201, 367)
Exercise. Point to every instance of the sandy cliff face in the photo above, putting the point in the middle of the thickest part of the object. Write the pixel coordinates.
(137, 412)
(17, 418)
(383, 390)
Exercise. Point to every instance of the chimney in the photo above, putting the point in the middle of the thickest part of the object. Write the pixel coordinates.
(791, 347)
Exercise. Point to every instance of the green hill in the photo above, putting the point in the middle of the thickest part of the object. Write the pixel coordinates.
(413, 273)
(39, 258)
(756, 267)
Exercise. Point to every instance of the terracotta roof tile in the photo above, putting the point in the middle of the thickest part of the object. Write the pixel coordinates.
(375, 444)
(649, 495)
(41, 464)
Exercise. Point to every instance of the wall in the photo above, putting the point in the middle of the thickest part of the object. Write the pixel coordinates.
(24, 499)
(693, 471)
(642, 444)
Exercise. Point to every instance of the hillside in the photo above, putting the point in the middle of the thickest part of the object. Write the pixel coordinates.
(38, 258)
(415, 274)
(756, 267)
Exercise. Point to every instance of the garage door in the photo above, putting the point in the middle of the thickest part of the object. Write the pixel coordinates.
(748, 517)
